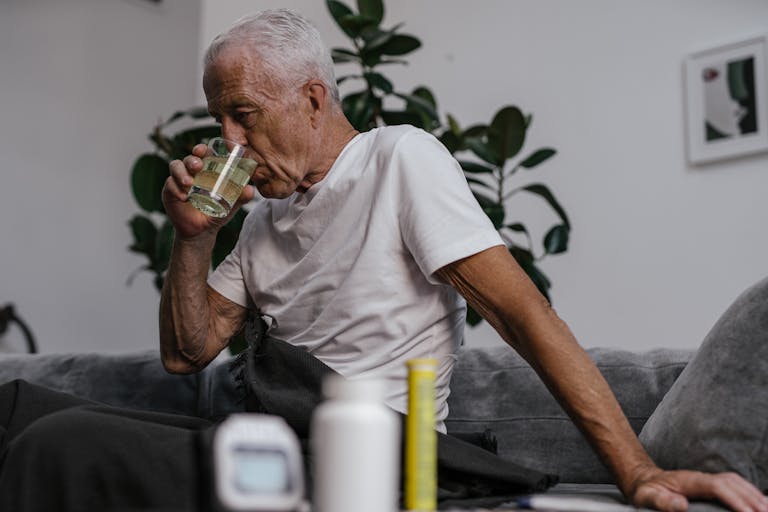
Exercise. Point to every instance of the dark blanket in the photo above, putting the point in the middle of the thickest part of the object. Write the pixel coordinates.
(286, 381)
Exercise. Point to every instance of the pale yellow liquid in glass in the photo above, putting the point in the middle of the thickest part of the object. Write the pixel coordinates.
(213, 193)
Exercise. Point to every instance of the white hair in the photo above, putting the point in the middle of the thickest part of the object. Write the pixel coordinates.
(287, 43)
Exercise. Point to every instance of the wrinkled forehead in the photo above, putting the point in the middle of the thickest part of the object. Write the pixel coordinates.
(237, 74)
(238, 67)
(232, 64)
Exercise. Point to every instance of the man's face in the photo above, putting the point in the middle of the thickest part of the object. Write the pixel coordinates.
(272, 121)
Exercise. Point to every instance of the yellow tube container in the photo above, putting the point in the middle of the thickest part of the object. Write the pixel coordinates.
(421, 437)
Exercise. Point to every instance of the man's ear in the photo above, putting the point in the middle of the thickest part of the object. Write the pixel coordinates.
(316, 92)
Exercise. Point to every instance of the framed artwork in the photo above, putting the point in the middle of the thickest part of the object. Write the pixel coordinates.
(726, 101)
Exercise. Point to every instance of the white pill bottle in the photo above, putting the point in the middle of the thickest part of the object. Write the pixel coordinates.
(355, 447)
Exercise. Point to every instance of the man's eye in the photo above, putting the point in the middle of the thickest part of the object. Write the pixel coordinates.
(242, 117)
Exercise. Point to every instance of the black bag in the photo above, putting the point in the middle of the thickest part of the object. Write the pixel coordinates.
(286, 381)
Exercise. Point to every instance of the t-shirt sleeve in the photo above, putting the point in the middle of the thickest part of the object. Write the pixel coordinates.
(440, 220)
(227, 278)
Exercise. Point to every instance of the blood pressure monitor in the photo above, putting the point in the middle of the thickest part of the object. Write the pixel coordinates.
(257, 464)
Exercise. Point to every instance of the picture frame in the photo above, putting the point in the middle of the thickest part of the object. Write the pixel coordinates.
(726, 103)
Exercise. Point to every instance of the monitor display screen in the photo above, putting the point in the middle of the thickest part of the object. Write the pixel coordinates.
(260, 470)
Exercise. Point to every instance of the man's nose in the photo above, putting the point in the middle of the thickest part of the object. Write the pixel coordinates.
(233, 131)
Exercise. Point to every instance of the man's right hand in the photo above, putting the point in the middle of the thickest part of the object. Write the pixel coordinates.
(188, 220)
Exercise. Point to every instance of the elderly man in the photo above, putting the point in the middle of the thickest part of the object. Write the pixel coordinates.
(360, 252)
(362, 249)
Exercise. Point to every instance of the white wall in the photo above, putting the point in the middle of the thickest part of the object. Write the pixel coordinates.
(659, 248)
(81, 84)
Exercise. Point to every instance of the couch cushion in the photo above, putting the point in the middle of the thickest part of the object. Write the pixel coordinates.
(494, 388)
(715, 417)
(135, 380)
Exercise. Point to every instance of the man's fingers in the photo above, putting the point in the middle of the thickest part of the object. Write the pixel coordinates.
(182, 172)
(738, 493)
(667, 491)
(177, 185)
(729, 488)
(200, 150)
(193, 164)
(174, 191)
(246, 196)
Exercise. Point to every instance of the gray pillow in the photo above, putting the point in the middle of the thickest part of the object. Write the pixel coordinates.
(715, 417)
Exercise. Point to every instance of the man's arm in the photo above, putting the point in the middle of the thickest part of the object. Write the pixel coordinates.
(196, 322)
(497, 288)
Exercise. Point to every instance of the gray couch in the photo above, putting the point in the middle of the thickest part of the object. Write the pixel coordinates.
(492, 389)
(711, 409)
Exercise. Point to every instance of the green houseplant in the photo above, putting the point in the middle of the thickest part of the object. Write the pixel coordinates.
(489, 154)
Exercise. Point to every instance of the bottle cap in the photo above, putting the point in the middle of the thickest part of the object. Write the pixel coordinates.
(424, 363)
(336, 386)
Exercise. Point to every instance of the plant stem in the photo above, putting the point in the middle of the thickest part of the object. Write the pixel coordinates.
(512, 192)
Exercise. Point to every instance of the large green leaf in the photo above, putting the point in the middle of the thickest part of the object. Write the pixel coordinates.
(475, 131)
(527, 262)
(339, 12)
(538, 157)
(483, 150)
(144, 235)
(543, 191)
(422, 101)
(374, 37)
(392, 61)
(227, 237)
(453, 125)
(493, 209)
(427, 95)
(418, 104)
(451, 142)
(359, 108)
(379, 81)
(194, 113)
(147, 179)
(184, 141)
(400, 44)
(556, 239)
(370, 58)
(395, 117)
(517, 227)
(341, 55)
(478, 183)
(373, 9)
(506, 133)
(474, 167)
(354, 25)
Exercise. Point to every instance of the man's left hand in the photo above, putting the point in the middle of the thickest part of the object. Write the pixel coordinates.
(670, 490)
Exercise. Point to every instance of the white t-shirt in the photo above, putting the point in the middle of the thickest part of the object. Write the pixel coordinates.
(346, 269)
